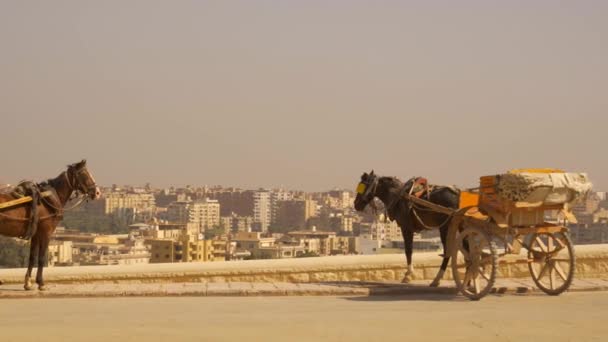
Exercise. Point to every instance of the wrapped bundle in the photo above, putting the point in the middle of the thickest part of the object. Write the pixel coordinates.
(536, 188)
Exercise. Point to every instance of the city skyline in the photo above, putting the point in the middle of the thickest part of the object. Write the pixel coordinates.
(307, 95)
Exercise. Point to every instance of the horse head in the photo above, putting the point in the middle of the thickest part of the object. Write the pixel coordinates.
(366, 190)
(81, 179)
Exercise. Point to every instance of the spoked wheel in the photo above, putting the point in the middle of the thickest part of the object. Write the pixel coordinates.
(474, 262)
(551, 262)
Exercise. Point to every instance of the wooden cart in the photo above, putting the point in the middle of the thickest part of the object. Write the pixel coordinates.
(487, 227)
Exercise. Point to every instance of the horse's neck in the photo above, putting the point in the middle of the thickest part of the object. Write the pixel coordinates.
(62, 187)
(388, 191)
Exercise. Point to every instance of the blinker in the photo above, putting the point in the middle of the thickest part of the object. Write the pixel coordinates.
(361, 188)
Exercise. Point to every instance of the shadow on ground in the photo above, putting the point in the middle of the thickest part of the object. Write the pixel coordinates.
(422, 297)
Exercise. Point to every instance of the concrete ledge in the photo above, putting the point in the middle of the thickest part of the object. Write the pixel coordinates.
(592, 262)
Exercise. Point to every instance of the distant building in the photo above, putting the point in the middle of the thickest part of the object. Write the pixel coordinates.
(206, 213)
(329, 243)
(344, 199)
(592, 210)
(242, 223)
(130, 206)
(178, 212)
(172, 231)
(186, 249)
(595, 233)
(252, 241)
(237, 201)
(262, 210)
(162, 250)
(280, 252)
(311, 245)
(94, 249)
(60, 253)
(266, 247)
(368, 246)
(164, 199)
(278, 196)
(419, 244)
(600, 216)
(201, 215)
(226, 223)
(346, 224)
(382, 231)
(294, 213)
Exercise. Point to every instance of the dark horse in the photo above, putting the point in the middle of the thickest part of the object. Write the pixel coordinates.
(410, 217)
(14, 221)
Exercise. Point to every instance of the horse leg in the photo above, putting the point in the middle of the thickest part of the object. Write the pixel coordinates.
(443, 232)
(408, 240)
(33, 256)
(43, 248)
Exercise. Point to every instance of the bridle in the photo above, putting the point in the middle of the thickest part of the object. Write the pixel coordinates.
(367, 190)
(74, 180)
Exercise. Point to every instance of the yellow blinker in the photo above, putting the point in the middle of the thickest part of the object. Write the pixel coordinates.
(361, 188)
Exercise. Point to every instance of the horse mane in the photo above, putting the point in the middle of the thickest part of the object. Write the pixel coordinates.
(392, 181)
(53, 182)
(388, 179)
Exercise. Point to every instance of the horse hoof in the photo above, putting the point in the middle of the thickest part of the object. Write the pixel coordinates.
(27, 287)
(434, 284)
(406, 280)
(42, 288)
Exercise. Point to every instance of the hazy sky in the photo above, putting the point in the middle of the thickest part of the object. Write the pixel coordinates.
(303, 94)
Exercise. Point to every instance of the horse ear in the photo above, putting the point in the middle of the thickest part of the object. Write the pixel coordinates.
(371, 173)
(79, 165)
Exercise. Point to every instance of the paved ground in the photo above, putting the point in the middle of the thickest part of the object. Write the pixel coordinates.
(579, 316)
(273, 289)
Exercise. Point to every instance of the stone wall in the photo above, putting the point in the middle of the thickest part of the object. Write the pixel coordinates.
(592, 262)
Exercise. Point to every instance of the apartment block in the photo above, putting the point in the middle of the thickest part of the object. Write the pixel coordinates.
(262, 210)
(200, 215)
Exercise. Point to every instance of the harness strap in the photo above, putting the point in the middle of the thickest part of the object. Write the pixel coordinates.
(411, 207)
(400, 195)
(424, 225)
(33, 191)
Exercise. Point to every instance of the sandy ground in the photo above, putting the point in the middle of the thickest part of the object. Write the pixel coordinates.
(570, 317)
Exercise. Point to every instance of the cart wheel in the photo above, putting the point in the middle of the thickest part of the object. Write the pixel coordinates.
(474, 262)
(551, 262)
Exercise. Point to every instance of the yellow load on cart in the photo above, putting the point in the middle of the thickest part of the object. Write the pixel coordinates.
(521, 197)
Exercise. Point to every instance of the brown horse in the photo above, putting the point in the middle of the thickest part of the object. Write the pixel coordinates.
(14, 221)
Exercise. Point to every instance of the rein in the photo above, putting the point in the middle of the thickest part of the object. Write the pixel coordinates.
(81, 198)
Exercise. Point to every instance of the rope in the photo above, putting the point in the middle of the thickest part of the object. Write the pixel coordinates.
(425, 226)
(25, 220)
(81, 199)
(14, 218)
